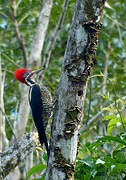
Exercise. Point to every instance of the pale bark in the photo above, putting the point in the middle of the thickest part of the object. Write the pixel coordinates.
(16, 153)
(20, 124)
(5, 140)
(14, 174)
(105, 69)
(102, 131)
(3, 137)
(17, 31)
(37, 45)
(52, 40)
(78, 62)
(1, 124)
(33, 60)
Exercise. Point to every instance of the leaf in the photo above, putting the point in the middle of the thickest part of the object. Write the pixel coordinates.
(87, 177)
(109, 117)
(42, 178)
(113, 124)
(99, 161)
(39, 149)
(122, 101)
(34, 169)
(108, 6)
(112, 138)
(119, 167)
(45, 157)
(108, 109)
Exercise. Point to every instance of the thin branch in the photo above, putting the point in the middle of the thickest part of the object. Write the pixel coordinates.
(16, 153)
(94, 119)
(18, 3)
(8, 121)
(116, 22)
(3, 14)
(105, 70)
(11, 72)
(19, 36)
(123, 125)
(10, 60)
(52, 40)
(120, 35)
(24, 17)
(89, 106)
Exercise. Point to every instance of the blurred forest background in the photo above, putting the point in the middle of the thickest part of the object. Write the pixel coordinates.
(102, 151)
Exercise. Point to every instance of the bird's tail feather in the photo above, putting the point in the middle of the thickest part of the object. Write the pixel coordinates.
(43, 138)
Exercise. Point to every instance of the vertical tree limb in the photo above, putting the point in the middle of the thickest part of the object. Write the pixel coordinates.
(20, 123)
(101, 125)
(78, 61)
(105, 69)
(52, 40)
(1, 116)
(5, 140)
(34, 59)
(19, 36)
(37, 44)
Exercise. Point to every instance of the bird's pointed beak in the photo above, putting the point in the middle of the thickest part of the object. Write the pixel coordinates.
(37, 71)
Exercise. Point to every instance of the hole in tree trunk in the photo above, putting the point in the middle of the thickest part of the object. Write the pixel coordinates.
(80, 93)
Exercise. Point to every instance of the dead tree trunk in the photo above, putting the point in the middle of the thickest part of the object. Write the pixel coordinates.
(78, 61)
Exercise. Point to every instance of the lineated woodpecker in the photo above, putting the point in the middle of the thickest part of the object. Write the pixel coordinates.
(40, 101)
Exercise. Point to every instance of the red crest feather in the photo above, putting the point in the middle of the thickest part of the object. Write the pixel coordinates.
(19, 74)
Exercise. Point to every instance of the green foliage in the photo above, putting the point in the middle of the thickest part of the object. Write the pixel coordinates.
(103, 159)
(113, 32)
(35, 169)
(116, 117)
(114, 122)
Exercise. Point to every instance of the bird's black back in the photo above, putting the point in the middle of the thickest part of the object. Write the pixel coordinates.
(35, 101)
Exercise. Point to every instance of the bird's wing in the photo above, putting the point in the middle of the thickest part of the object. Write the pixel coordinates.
(35, 100)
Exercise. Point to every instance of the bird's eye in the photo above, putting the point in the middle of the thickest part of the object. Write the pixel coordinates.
(28, 74)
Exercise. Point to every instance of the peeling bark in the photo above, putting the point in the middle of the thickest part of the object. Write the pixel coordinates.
(78, 62)
(16, 153)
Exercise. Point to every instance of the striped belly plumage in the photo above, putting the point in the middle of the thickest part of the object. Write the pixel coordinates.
(47, 105)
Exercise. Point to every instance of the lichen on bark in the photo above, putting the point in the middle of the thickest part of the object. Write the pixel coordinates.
(79, 59)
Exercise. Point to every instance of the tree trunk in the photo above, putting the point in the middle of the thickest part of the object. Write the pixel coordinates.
(78, 61)
(37, 45)
(1, 124)
(34, 60)
(16, 153)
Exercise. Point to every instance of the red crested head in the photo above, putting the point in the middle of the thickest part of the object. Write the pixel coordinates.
(21, 73)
